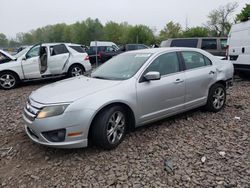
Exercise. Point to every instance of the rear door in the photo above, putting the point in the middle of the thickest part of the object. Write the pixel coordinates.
(59, 55)
(162, 97)
(199, 75)
(31, 63)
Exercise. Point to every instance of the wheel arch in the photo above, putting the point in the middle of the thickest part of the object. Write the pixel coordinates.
(128, 109)
(223, 82)
(11, 71)
(77, 63)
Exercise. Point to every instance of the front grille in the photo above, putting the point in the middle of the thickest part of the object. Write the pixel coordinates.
(31, 111)
(233, 57)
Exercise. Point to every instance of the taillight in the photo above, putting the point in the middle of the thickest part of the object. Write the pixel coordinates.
(99, 55)
(86, 58)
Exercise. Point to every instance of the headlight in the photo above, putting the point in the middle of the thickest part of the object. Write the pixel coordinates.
(52, 111)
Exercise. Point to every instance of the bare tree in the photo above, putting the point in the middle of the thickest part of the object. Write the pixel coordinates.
(219, 20)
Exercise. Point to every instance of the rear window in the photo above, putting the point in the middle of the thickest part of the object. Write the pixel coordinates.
(191, 43)
(78, 49)
(209, 44)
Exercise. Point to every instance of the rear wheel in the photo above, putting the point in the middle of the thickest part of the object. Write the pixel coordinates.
(216, 98)
(8, 80)
(109, 127)
(76, 70)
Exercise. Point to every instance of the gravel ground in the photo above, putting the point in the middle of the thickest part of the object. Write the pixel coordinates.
(195, 149)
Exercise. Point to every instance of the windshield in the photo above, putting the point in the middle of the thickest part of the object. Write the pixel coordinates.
(19, 54)
(121, 67)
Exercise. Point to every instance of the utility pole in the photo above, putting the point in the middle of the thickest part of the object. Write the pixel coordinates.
(96, 59)
(186, 22)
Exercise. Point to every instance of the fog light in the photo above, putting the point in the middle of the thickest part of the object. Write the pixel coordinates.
(55, 136)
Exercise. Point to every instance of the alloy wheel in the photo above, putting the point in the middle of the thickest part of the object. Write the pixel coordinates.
(116, 127)
(219, 98)
(7, 81)
(76, 71)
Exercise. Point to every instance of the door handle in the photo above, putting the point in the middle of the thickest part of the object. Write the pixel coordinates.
(178, 80)
(211, 72)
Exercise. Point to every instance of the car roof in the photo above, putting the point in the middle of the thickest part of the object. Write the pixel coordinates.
(165, 49)
(52, 44)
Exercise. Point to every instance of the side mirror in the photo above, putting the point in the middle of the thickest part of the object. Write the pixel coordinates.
(153, 75)
(24, 58)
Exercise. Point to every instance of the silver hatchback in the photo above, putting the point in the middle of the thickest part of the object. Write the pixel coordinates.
(128, 91)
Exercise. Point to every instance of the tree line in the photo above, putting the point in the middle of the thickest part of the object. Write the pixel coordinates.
(218, 24)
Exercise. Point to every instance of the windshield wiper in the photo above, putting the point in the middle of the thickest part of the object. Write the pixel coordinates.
(100, 77)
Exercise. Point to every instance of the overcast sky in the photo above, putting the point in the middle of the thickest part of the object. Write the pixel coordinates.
(24, 15)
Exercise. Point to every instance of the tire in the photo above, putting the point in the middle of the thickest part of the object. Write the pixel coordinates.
(105, 132)
(76, 70)
(216, 98)
(8, 80)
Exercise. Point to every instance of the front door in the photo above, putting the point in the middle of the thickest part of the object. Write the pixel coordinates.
(31, 63)
(59, 55)
(162, 97)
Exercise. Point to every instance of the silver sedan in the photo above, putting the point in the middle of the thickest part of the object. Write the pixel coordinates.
(128, 91)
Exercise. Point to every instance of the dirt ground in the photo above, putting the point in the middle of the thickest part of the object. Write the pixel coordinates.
(195, 149)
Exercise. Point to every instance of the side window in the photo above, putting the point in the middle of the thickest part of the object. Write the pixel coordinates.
(58, 49)
(223, 43)
(141, 47)
(194, 60)
(191, 43)
(79, 49)
(131, 47)
(209, 44)
(110, 49)
(207, 61)
(33, 52)
(165, 64)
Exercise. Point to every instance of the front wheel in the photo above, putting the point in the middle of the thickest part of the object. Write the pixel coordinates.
(8, 80)
(76, 70)
(216, 98)
(109, 127)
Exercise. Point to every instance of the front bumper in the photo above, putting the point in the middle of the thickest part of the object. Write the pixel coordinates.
(69, 144)
(71, 122)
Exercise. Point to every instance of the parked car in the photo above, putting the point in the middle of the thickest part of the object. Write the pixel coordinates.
(239, 48)
(111, 52)
(214, 45)
(98, 47)
(43, 61)
(130, 90)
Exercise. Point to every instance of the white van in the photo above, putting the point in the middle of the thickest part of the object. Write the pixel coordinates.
(239, 48)
(103, 43)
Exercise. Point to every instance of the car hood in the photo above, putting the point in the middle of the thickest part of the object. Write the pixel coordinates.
(70, 90)
(8, 55)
